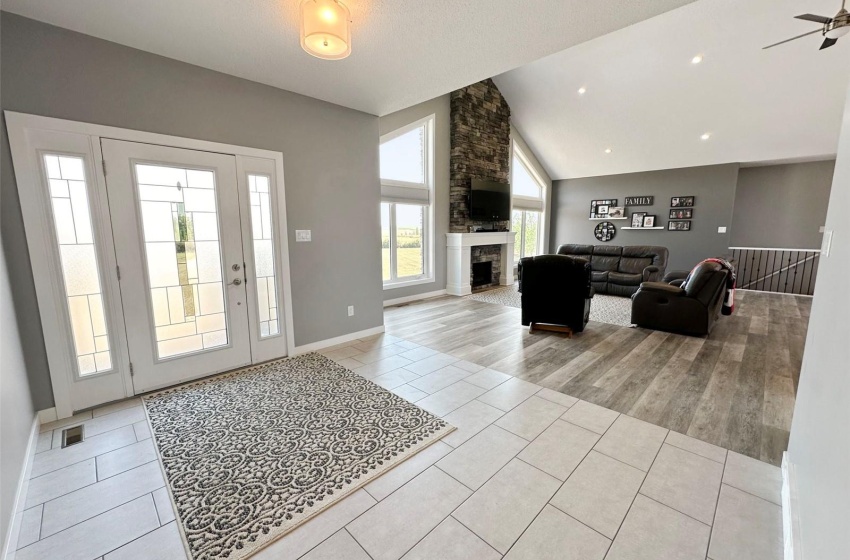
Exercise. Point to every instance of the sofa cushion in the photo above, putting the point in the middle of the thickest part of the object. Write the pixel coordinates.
(612, 250)
(625, 279)
(576, 250)
(602, 262)
(599, 276)
(657, 254)
(634, 265)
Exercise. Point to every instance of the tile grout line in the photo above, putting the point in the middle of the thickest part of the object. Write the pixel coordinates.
(674, 509)
(716, 506)
(353, 538)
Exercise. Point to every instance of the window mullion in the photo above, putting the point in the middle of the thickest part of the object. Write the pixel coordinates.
(393, 247)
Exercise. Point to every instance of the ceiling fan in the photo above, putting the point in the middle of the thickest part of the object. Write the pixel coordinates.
(832, 30)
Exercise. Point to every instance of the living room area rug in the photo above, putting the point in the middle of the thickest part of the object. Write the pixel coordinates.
(614, 310)
(249, 455)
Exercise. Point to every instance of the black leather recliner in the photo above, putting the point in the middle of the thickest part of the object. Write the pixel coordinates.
(556, 290)
(690, 306)
(620, 270)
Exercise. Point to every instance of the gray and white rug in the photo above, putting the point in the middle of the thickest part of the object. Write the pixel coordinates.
(250, 455)
(615, 310)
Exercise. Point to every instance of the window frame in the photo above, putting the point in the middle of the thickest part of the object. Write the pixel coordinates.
(396, 186)
(518, 153)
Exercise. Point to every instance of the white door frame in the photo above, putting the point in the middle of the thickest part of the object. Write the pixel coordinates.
(40, 244)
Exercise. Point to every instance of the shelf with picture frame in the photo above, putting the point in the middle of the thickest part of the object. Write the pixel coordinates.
(653, 227)
(643, 220)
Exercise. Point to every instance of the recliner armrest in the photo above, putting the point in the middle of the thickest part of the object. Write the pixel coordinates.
(675, 275)
(661, 288)
(651, 273)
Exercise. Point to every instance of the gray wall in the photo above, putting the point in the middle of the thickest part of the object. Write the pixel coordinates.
(819, 448)
(16, 409)
(330, 164)
(439, 107)
(713, 186)
(782, 206)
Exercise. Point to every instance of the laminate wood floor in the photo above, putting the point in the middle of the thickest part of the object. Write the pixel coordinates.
(735, 388)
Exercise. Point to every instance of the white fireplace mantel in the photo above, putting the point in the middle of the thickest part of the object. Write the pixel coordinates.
(459, 266)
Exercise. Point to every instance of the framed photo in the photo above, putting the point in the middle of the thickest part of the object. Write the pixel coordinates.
(648, 221)
(681, 214)
(682, 201)
(679, 225)
(599, 208)
(616, 212)
(637, 219)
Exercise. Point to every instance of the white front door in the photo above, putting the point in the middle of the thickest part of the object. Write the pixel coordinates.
(177, 228)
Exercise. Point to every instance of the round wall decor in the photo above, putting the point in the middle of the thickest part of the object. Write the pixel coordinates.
(605, 231)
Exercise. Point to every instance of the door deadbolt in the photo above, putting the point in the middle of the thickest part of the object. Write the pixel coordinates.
(235, 267)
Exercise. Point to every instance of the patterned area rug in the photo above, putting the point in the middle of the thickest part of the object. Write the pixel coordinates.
(251, 454)
(615, 310)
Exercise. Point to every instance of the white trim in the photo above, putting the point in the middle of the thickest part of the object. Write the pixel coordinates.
(47, 415)
(416, 297)
(768, 292)
(18, 126)
(313, 346)
(10, 539)
(790, 519)
(654, 227)
(405, 283)
(774, 249)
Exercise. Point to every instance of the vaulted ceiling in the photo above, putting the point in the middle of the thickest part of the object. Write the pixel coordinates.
(404, 51)
(648, 104)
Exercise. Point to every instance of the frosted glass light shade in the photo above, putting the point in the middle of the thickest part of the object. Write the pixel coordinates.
(326, 29)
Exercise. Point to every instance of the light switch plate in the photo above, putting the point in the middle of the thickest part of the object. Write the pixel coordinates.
(303, 235)
(821, 229)
(721, 229)
(827, 243)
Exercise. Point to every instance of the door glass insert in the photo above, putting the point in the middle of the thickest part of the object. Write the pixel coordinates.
(74, 234)
(181, 237)
(264, 265)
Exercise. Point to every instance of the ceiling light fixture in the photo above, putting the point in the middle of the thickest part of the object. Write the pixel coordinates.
(705, 136)
(582, 90)
(608, 150)
(326, 29)
(697, 59)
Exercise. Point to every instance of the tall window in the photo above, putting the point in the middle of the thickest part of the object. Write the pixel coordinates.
(528, 198)
(407, 172)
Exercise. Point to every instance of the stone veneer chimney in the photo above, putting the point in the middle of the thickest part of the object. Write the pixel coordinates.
(480, 149)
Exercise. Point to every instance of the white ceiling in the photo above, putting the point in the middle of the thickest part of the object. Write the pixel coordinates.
(649, 104)
(404, 51)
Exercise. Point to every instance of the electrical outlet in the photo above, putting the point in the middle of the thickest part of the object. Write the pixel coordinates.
(721, 229)
(826, 246)
(303, 235)
(821, 229)
(351, 311)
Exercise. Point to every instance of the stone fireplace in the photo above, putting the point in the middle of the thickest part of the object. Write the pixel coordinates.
(480, 149)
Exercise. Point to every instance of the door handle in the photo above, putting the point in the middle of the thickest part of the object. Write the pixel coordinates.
(236, 282)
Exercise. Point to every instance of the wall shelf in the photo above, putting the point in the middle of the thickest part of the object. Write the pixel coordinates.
(605, 219)
(656, 227)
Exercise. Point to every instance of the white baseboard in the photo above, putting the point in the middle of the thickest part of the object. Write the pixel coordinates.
(313, 346)
(417, 297)
(10, 540)
(790, 519)
(47, 415)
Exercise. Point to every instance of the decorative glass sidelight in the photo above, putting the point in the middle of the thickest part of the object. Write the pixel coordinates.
(181, 237)
(75, 237)
(259, 188)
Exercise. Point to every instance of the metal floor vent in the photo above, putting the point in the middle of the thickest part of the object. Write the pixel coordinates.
(72, 436)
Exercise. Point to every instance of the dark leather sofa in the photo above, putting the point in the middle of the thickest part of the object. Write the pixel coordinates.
(620, 270)
(690, 306)
(556, 291)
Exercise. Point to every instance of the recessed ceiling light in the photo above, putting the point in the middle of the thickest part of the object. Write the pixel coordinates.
(697, 59)
(582, 90)
(705, 136)
(608, 150)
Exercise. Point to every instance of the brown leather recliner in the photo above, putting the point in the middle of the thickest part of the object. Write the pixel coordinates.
(690, 308)
(556, 290)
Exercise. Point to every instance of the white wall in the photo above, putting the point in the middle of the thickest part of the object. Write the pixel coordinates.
(819, 449)
(16, 409)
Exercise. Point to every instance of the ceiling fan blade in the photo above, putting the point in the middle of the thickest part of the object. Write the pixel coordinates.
(792, 39)
(828, 43)
(812, 17)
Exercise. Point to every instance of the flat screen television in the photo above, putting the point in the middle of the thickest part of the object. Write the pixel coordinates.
(489, 201)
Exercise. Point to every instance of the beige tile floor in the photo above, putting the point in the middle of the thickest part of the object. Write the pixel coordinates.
(530, 473)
